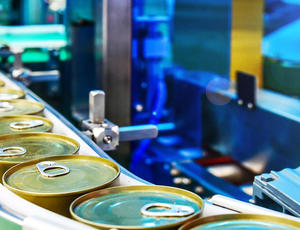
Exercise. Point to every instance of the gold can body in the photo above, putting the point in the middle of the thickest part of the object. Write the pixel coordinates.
(241, 221)
(86, 174)
(24, 123)
(36, 145)
(10, 94)
(2, 83)
(20, 107)
(126, 207)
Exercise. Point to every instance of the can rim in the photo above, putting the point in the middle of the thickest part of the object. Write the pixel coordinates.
(20, 93)
(53, 158)
(29, 117)
(159, 188)
(20, 135)
(240, 216)
(2, 83)
(42, 107)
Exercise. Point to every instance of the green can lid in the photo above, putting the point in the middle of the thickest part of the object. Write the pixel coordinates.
(61, 175)
(18, 148)
(2, 83)
(19, 107)
(243, 222)
(137, 207)
(9, 94)
(24, 123)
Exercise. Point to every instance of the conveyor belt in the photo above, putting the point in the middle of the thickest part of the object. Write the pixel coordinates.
(27, 216)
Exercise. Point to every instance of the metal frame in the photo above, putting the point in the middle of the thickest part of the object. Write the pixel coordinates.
(117, 59)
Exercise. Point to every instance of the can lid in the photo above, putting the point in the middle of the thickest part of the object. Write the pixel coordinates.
(19, 106)
(241, 221)
(2, 83)
(24, 123)
(137, 207)
(18, 148)
(61, 175)
(9, 94)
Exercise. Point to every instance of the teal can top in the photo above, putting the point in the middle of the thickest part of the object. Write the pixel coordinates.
(137, 207)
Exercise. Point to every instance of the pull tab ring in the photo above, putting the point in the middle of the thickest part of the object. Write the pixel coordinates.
(6, 106)
(171, 210)
(46, 165)
(12, 151)
(26, 124)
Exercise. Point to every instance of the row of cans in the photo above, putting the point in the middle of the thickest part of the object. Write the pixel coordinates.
(45, 168)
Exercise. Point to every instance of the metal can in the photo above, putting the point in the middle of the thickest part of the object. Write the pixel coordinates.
(2, 83)
(10, 94)
(137, 207)
(24, 123)
(18, 148)
(54, 182)
(20, 107)
(241, 221)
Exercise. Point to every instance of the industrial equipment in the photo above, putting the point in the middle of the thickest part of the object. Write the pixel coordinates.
(198, 95)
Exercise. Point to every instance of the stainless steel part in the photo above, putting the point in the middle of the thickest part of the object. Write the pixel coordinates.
(105, 133)
(12, 151)
(171, 210)
(116, 50)
(46, 165)
(27, 76)
(138, 132)
(97, 106)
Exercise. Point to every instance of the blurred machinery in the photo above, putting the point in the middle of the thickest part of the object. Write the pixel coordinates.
(186, 67)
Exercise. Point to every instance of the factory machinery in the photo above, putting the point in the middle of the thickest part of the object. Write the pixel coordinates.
(228, 133)
(17, 213)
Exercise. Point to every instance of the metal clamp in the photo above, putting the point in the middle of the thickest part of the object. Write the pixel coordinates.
(105, 133)
(171, 210)
(46, 165)
(27, 76)
(12, 151)
(6, 106)
(26, 124)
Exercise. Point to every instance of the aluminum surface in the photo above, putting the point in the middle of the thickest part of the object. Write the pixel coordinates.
(24, 123)
(120, 207)
(45, 181)
(36, 145)
(10, 94)
(20, 107)
(97, 106)
(242, 221)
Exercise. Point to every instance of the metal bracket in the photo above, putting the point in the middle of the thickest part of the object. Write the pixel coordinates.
(105, 133)
(27, 76)
(246, 90)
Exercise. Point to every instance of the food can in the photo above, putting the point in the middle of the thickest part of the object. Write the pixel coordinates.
(18, 148)
(20, 107)
(54, 182)
(2, 83)
(242, 221)
(10, 94)
(137, 207)
(24, 123)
